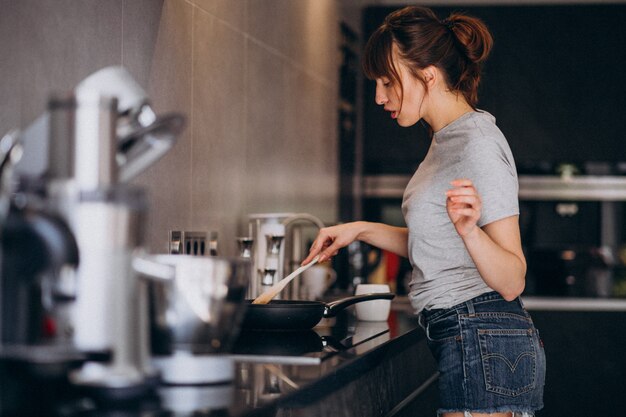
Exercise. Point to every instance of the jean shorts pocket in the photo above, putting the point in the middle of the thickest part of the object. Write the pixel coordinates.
(443, 329)
(509, 360)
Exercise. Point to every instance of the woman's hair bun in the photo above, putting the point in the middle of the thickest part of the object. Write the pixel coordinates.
(457, 46)
(472, 34)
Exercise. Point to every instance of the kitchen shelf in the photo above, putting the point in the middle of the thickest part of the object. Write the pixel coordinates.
(532, 187)
(576, 188)
(385, 186)
(574, 304)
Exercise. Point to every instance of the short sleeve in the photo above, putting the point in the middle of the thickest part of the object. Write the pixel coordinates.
(490, 166)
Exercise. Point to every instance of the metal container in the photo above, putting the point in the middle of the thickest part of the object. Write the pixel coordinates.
(196, 303)
(196, 308)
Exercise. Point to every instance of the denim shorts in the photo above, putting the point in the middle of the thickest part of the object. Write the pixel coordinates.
(489, 355)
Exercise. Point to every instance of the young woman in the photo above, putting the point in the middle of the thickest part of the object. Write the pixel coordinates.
(461, 209)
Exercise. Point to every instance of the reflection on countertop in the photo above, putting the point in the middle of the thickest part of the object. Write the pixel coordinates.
(272, 370)
(311, 346)
(284, 368)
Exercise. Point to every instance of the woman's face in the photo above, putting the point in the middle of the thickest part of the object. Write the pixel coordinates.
(404, 104)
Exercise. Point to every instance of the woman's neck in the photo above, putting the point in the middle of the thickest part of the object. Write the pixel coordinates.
(444, 108)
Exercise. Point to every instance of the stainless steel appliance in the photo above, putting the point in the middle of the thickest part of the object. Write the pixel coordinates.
(196, 308)
(278, 249)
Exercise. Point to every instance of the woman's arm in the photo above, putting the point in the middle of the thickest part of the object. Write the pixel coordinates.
(331, 239)
(497, 252)
(496, 249)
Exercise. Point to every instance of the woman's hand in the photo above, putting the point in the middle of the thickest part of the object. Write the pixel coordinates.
(496, 248)
(331, 239)
(464, 206)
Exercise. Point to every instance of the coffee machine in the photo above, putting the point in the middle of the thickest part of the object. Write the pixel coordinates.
(37, 251)
(278, 249)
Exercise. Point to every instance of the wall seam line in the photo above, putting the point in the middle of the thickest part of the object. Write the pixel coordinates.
(122, 37)
(191, 118)
(266, 46)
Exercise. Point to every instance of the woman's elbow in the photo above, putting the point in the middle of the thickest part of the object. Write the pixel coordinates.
(511, 295)
(516, 287)
(514, 291)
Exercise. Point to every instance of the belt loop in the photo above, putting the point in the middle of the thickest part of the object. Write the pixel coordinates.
(421, 321)
(470, 308)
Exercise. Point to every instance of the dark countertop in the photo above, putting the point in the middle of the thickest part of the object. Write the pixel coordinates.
(285, 373)
(300, 368)
(351, 348)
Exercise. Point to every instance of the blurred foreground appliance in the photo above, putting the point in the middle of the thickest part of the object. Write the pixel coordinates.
(101, 135)
(38, 253)
(116, 135)
(196, 308)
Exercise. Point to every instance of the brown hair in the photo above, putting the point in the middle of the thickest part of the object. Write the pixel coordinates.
(457, 45)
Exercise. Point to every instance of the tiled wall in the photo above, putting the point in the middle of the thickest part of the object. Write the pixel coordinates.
(257, 80)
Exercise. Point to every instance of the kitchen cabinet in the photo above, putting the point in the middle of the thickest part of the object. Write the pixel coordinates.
(586, 365)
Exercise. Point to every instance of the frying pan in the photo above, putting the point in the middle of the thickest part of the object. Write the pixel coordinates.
(298, 314)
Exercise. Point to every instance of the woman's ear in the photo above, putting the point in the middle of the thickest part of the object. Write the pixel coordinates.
(430, 75)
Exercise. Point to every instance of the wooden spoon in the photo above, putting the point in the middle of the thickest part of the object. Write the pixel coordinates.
(271, 292)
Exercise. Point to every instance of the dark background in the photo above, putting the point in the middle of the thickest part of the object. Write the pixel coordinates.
(554, 82)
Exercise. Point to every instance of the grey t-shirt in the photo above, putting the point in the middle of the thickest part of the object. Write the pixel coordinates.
(470, 147)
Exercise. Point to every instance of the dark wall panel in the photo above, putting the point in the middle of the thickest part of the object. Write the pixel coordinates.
(554, 82)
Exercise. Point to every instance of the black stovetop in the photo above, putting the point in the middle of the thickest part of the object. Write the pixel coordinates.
(328, 338)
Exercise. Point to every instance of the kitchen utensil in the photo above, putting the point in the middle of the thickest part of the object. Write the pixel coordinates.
(299, 315)
(267, 296)
(375, 310)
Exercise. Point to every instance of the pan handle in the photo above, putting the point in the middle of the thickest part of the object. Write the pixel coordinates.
(331, 309)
